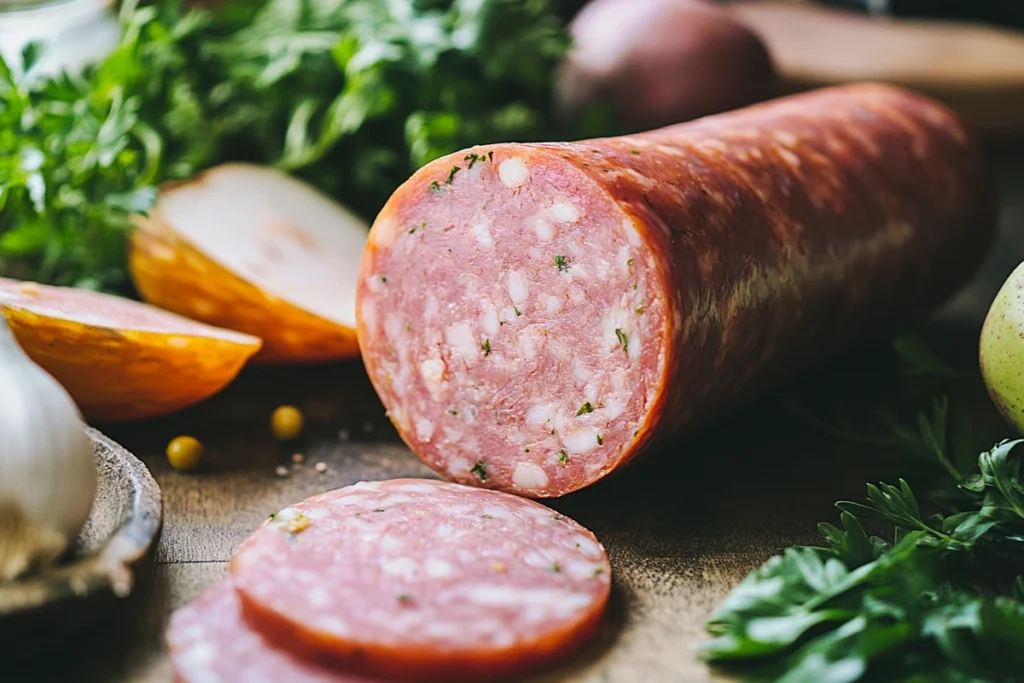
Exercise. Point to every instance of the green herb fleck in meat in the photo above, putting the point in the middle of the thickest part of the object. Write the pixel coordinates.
(517, 311)
(622, 338)
(434, 186)
(639, 310)
(472, 159)
(600, 440)
(480, 470)
(556, 568)
(451, 174)
(585, 408)
(563, 457)
(378, 509)
(453, 412)
(629, 262)
(486, 346)
(404, 598)
(562, 264)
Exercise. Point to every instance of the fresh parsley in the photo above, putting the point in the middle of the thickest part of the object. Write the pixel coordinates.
(905, 605)
(480, 470)
(349, 95)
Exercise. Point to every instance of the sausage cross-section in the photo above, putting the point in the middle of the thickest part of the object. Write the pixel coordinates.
(534, 315)
(423, 580)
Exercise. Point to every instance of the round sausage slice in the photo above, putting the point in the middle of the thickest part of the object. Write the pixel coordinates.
(424, 579)
(210, 642)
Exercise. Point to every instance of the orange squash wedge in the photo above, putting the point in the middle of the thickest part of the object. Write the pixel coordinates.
(121, 359)
(251, 249)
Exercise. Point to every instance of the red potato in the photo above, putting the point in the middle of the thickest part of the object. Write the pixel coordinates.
(664, 61)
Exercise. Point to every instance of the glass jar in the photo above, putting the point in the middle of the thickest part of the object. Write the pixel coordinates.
(73, 32)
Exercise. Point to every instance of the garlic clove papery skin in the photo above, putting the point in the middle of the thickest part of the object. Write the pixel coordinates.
(47, 468)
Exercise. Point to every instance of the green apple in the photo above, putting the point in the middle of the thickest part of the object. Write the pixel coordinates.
(1001, 349)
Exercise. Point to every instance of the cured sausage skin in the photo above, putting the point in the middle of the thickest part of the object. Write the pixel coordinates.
(423, 580)
(534, 315)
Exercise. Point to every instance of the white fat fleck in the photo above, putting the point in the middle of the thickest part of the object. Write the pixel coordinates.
(528, 476)
(545, 231)
(528, 344)
(432, 370)
(199, 655)
(632, 236)
(404, 567)
(482, 232)
(624, 258)
(581, 571)
(588, 547)
(552, 303)
(496, 512)
(489, 321)
(317, 513)
(613, 407)
(580, 372)
(437, 568)
(390, 544)
(333, 625)
(535, 614)
(375, 283)
(442, 531)
(424, 429)
(615, 319)
(392, 327)
(538, 559)
(368, 316)
(581, 440)
(563, 212)
(415, 488)
(518, 288)
(510, 596)
(461, 341)
(400, 416)
(513, 172)
(367, 485)
(541, 413)
(431, 308)
(576, 294)
(287, 515)
(459, 465)
(319, 597)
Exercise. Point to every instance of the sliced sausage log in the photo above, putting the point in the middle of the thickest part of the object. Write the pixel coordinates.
(535, 315)
(423, 580)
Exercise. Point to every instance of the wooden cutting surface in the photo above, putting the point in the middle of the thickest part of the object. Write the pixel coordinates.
(682, 527)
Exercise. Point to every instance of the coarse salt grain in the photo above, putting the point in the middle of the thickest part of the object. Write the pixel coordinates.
(321, 467)
(281, 471)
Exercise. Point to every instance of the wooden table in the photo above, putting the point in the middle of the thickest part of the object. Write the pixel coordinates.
(681, 527)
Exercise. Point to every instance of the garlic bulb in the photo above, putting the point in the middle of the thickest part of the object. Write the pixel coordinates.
(47, 470)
